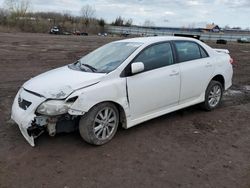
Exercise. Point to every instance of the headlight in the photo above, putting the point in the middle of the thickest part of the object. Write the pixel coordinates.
(54, 107)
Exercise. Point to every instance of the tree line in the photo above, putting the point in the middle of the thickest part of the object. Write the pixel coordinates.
(16, 15)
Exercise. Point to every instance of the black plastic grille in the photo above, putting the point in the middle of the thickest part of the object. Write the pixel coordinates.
(23, 103)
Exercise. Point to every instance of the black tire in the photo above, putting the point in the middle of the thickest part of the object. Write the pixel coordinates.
(87, 124)
(206, 105)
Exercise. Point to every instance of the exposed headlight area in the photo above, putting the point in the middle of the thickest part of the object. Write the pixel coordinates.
(52, 115)
(54, 107)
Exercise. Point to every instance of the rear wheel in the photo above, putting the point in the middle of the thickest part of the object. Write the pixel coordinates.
(100, 124)
(213, 95)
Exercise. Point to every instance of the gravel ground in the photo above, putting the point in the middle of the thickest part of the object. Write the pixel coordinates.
(187, 148)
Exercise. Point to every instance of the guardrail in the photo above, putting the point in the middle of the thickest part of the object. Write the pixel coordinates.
(142, 31)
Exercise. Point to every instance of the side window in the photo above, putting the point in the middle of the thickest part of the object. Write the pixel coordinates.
(187, 51)
(156, 56)
(203, 53)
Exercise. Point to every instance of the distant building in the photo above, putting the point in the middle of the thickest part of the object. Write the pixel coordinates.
(212, 28)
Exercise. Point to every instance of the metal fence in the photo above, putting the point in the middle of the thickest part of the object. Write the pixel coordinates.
(142, 31)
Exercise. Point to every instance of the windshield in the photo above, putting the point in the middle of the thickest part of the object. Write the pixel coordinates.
(106, 58)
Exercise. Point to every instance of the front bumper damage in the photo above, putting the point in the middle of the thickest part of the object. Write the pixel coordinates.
(23, 112)
(33, 125)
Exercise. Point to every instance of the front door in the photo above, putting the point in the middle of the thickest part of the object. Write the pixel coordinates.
(158, 85)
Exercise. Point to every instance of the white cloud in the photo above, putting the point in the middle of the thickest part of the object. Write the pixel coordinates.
(193, 2)
(169, 13)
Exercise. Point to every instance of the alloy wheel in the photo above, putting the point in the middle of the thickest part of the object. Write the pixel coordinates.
(105, 123)
(214, 96)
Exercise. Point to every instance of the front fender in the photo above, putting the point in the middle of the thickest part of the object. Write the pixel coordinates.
(108, 91)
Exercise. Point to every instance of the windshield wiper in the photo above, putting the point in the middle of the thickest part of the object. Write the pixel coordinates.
(93, 69)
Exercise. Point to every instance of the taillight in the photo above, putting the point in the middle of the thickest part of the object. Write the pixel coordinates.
(231, 61)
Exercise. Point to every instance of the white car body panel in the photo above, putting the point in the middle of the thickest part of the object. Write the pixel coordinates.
(107, 90)
(142, 96)
(162, 111)
(60, 82)
(197, 74)
(222, 68)
(143, 88)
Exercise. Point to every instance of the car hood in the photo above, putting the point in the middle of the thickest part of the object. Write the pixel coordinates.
(61, 82)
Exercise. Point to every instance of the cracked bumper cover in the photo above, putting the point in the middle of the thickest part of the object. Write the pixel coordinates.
(24, 118)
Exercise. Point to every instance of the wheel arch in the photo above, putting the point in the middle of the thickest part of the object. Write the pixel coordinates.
(219, 78)
(120, 108)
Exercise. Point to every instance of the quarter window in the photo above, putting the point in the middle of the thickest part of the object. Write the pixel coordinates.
(203, 53)
(156, 56)
(188, 51)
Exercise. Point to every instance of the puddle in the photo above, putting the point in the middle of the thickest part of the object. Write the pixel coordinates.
(231, 92)
(243, 90)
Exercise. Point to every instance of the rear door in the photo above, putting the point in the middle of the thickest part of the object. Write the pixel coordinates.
(196, 69)
(157, 87)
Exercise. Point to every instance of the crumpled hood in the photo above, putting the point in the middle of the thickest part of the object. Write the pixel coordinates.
(59, 83)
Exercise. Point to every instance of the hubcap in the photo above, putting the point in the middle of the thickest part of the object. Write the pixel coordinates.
(105, 123)
(214, 96)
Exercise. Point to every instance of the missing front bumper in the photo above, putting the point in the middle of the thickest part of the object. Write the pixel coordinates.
(30, 139)
(32, 126)
(24, 117)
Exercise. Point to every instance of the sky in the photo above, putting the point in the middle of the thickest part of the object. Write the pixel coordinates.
(172, 13)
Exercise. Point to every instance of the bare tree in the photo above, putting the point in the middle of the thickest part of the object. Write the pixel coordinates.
(129, 22)
(148, 23)
(101, 22)
(3, 16)
(119, 21)
(87, 13)
(18, 7)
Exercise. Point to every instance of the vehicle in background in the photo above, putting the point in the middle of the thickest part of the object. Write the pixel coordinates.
(244, 40)
(55, 30)
(84, 34)
(221, 41)
(103, 34)
(79, 33)
(123, 83)
(125, 34)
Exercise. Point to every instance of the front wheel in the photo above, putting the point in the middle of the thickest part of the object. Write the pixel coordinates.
(100, 124)
(213, 95)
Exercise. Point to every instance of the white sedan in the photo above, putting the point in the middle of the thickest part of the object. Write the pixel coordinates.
(122, 83)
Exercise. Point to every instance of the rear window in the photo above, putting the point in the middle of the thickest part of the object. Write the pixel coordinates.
(187, 51)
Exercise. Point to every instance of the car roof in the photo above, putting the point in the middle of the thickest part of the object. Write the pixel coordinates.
(150, 40)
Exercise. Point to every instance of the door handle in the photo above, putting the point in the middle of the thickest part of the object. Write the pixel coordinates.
(174, 73)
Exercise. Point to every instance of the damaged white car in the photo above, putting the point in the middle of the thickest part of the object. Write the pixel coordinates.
(122, 83)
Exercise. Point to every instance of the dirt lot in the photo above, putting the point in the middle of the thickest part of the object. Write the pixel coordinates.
(188, 148)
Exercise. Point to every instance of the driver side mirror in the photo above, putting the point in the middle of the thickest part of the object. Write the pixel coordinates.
(137, 67)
